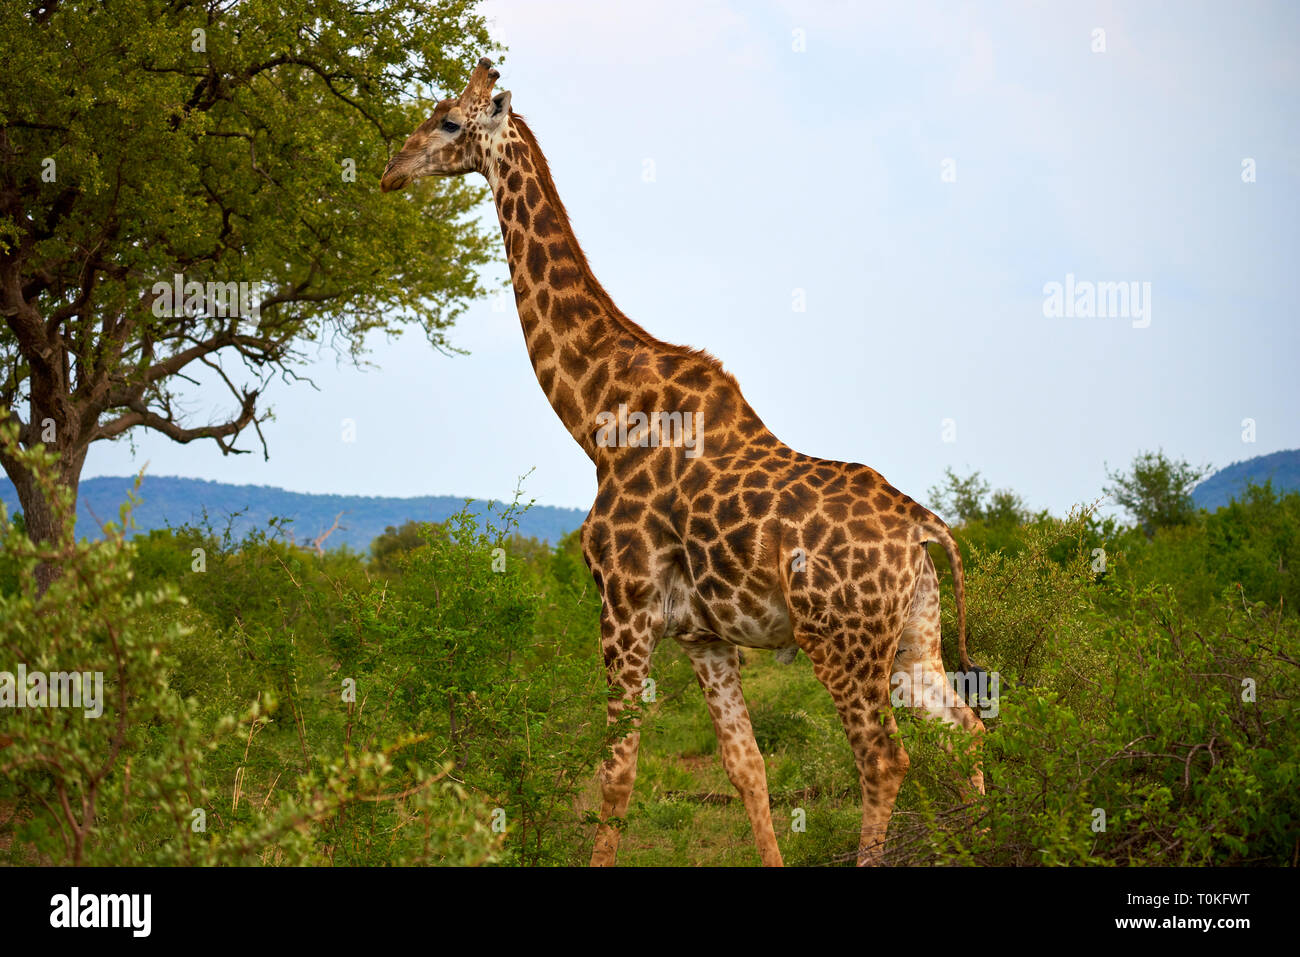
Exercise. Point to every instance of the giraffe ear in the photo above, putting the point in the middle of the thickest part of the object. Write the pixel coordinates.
(500, 108)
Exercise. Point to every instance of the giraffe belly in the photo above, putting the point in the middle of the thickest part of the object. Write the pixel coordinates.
(767, 626)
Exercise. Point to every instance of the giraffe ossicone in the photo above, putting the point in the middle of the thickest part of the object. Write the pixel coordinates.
(697, 547)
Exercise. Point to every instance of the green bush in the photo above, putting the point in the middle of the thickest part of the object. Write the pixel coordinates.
(1143, 737)
(447, 725)
(443, 702)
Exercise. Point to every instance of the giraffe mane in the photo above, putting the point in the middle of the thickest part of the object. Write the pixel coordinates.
(542, 170)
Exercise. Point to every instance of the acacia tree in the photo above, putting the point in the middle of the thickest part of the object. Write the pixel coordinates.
(231, 151)
(972, 499)
(1157, 490)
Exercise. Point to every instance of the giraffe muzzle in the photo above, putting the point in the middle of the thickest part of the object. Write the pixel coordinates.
(393, 178)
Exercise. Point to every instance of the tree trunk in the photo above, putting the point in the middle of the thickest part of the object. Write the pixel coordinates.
(38, 513)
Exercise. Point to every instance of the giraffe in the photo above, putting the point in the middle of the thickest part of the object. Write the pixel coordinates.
(706, 528)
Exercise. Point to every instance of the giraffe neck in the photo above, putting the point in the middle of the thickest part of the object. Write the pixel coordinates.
(570, 323)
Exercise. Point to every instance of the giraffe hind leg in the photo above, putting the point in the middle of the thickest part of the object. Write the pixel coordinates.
(918, 675)
(847, 664)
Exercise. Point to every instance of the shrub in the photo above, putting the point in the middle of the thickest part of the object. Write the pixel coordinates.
(1145, 738)
(144, 782)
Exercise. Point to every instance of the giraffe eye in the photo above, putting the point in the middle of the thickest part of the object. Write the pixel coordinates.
(449, 126)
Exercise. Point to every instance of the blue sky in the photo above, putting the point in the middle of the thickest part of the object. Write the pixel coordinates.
(924, 342)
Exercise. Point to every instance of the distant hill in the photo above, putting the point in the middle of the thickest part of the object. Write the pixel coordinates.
(1283, 468)
(170, 502)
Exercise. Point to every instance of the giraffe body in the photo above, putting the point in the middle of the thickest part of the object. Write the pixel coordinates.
(723, 539)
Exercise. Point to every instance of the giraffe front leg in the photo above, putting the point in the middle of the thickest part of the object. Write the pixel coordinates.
(717, 668)
(627, 653)
(617, 776)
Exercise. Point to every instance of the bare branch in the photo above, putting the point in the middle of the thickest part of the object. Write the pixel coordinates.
(223, 434)
(319, 541)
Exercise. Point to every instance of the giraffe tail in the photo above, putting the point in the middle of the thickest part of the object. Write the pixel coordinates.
(932, 529)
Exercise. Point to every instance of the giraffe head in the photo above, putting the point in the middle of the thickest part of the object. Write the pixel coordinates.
(457, 138)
